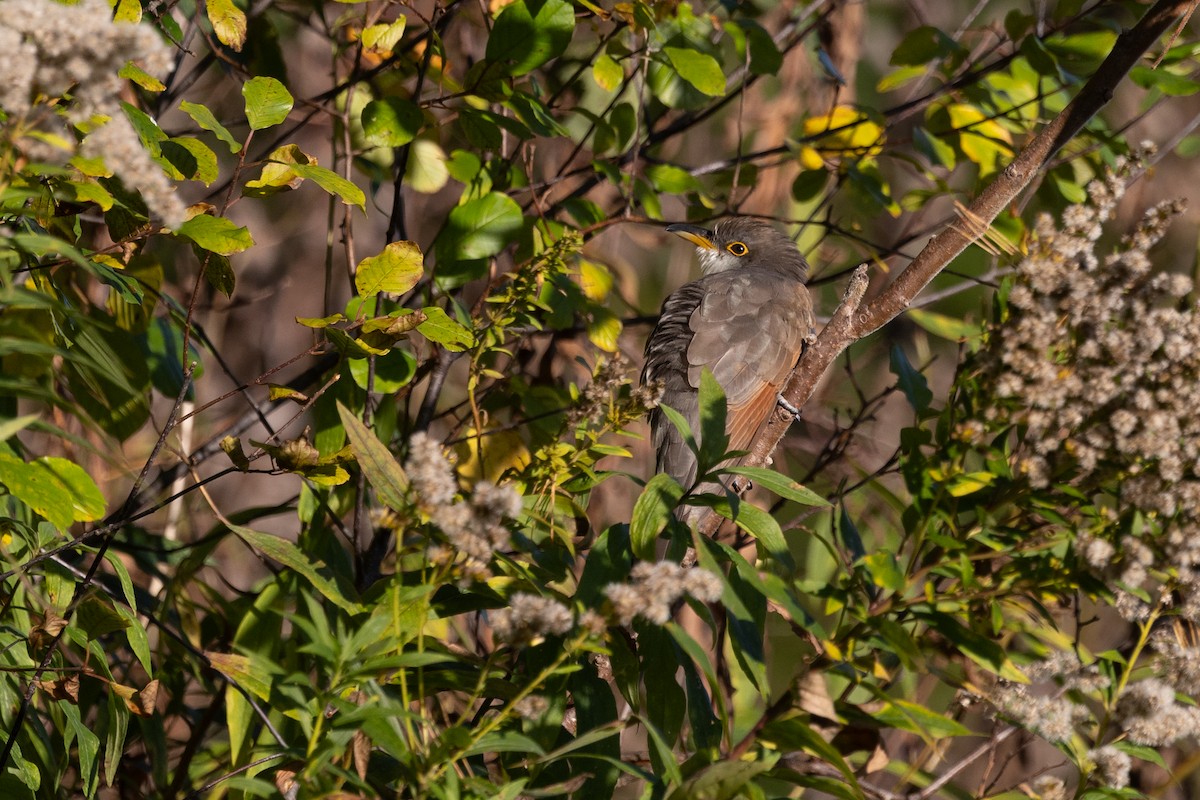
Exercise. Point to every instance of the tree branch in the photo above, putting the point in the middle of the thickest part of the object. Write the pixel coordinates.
(852, 321)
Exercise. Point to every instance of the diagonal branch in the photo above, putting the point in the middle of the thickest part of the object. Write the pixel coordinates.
(853, 320)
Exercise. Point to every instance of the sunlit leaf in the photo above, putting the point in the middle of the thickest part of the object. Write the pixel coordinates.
(397, 269)
(651, 513)
(218, 234)
(206, 120)
(426, 170)
(699, 69)
(482, 227)
(440, 328)
(228, 21)
(268, 102)
(607, 72)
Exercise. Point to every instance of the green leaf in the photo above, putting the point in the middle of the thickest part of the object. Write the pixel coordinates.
(206, 120)
(652, 512)
(923, 45)
(351, 347)
(1071, 191)
(114, 740)
(128, 11)
(980, 649)
(950, 328)
(765, 58)
(391, 122)
(89, 192)
(906, 716)
(849, 535)
(759, 524)
(97, 617)
(506, 742)
(147, 129)
(11, 427)
(185, 158)
(268, 102)
(671, 179)
(86, 500)
(218, 234)
(293, 558)
(934, 148)
(1093, 45)
(393, 371)
(341, 188)
(133, 72)
(781, 485)
(794, 733)
(252, 673)
(87, 749)
(898, 77)
(397, 269)
(228, 21)
(439, 327)
(607, 73)
(967, 483)
(885, 570)
(55, 488)
(1144, 752)
(139, 642)
(722, 780)
(218, 272)
(528, 33)
(482, 227)
(320, 322)
(258, 632)
(713, 440)
(911, 382)
(699, 69)
(127, 287)
(377, 462)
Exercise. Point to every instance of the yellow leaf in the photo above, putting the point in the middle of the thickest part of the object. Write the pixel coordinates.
(228, 21)
(276, 175)
(845, 132)
(501, 450)
(811, 159)
(595, 280)
(982, 140)
(127, 11)
(384, 37)
(970, 483)
(604, 330)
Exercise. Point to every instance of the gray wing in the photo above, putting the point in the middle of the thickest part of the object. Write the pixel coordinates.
(749, 329)
(666, 361)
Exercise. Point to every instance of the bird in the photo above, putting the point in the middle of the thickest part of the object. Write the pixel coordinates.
(748, 319)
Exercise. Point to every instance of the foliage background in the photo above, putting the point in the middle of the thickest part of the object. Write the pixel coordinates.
(484, 187)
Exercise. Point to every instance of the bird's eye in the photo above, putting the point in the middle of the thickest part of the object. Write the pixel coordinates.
(737, 248)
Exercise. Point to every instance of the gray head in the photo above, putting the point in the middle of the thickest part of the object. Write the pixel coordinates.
(737, 242)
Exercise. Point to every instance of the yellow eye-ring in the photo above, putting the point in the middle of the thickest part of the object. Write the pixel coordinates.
(737, 248)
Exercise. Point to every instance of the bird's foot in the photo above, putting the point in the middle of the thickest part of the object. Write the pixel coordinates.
(788, 407)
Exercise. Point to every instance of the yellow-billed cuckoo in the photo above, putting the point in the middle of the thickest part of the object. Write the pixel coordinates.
(747, 318)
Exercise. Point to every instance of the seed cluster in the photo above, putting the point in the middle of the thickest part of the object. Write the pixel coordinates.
(51, 50)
